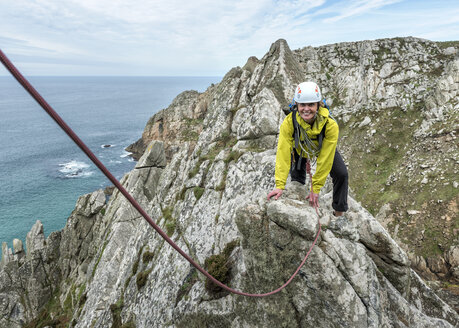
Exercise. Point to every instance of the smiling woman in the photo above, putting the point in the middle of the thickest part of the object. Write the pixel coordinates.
(307, 133)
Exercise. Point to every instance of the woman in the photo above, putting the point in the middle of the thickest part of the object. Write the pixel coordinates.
(317, 137)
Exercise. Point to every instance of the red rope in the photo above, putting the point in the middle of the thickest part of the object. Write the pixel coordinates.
(42, 102)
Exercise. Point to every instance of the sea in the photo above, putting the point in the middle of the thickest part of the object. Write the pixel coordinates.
(42, 172)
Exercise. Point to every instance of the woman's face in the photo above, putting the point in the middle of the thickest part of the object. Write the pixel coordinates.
(308, 111)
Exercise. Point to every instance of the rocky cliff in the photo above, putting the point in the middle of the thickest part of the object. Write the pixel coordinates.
(204, 180)
(396, 101)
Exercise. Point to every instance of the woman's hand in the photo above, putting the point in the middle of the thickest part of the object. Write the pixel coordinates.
(313, 199)
(276, 192)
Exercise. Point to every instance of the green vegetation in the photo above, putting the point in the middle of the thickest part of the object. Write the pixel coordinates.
(192, 129)
(198, 191)
(371, 166)
(447, 44)
(142, 278)
(135, 266)
(224, 141)
(222, 184)
(170, 220)
(380, 55)
(196, 168)
(236, 108)
(218, 266)
(116, 309)
(181, 194)
(147, 257)
(234, 155)
(53, 314)
(128, 324)
(187, 284)
(98, 259)
(385, 168)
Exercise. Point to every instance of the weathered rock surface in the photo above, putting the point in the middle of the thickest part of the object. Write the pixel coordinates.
(207, 189)
(180, 122)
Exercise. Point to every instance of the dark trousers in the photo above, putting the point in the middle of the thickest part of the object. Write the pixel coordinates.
(339, 178)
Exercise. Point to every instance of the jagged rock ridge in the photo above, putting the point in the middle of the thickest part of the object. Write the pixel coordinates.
(107, 267)
(399, 98)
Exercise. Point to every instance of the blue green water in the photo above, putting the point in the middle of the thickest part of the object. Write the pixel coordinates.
(42, 172)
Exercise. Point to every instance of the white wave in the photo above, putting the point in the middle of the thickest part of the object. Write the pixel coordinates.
(125, 154)
(75, 169)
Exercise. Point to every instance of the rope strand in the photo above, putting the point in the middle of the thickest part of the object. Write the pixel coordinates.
(42, 102)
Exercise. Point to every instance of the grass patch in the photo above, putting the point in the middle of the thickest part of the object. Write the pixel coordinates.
(218, 266)
(98, 259)
(170, 227)
(196, 168)
(171, 222)
(388, 166)
(181, 194)
(53, 314)
(116, 309)
(198, 192)
(447, 44)
(222, 185)
(142, 278)
(371, 166)
(191, 130)
(234, 155)
(226, 140)
(147, 257)
(129, 324)
(135, 266)
(381, 55)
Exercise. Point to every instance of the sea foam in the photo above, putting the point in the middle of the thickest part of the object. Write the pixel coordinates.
(75, 169)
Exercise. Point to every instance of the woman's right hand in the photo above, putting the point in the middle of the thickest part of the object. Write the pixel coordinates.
(276, 193)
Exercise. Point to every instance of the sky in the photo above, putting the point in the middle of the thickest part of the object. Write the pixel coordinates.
(197, 37)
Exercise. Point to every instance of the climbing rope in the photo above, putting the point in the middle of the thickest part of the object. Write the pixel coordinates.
(42, 102)
(307, 145)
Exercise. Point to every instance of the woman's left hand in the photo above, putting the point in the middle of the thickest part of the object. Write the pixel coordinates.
(313, 199)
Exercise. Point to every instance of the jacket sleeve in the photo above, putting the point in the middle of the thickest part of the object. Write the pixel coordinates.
(284, 150)
(326, 155)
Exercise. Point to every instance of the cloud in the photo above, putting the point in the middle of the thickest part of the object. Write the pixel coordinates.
(202, 37)
(348, 9)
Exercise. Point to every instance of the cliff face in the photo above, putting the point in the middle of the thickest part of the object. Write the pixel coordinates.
(397, 104)
(396, 101)
(107, 267)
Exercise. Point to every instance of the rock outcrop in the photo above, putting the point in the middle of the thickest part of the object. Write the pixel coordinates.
(398, 97)
(397, 104)
(207, 190)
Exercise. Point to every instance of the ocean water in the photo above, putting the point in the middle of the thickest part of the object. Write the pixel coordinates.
(42, 171)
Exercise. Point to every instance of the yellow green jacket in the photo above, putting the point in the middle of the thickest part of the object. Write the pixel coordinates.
(326, 155)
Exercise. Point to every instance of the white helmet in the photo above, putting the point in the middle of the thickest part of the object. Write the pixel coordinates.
(307, 92)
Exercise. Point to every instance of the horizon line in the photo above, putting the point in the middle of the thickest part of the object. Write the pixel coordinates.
(32, 75)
